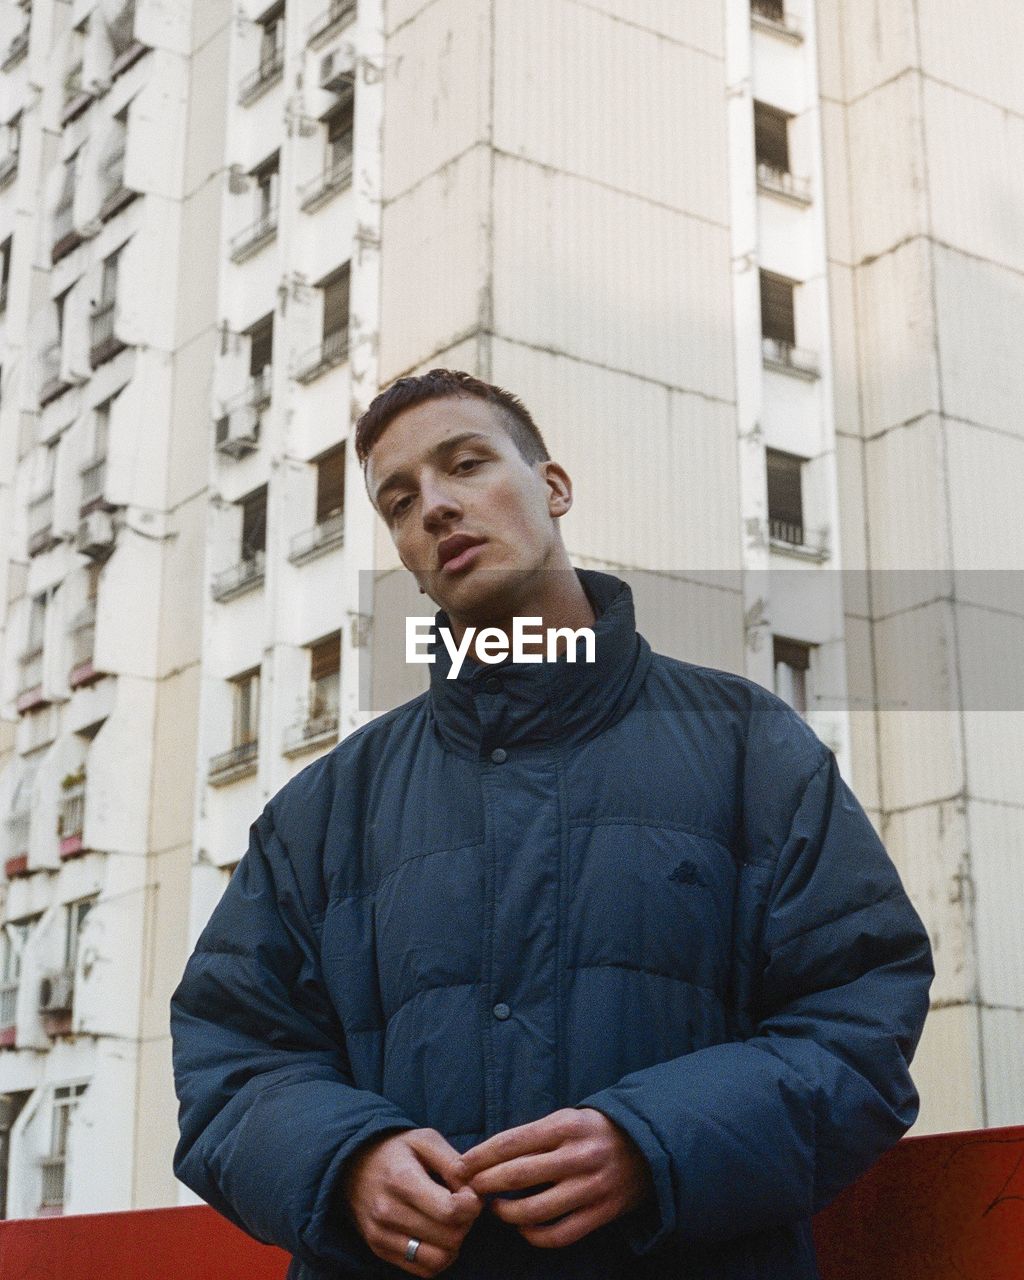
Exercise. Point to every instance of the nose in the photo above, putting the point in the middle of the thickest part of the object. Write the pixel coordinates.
(439, 502)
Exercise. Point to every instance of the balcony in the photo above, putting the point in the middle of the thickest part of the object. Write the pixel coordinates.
(314, 542)
(259, 80)
(793, 540)
(337, 15)
(82, 634)
(71, 820)
(8, 168)
(787, 358)
(51, 381)
(771, 15)
(239, 762)
(332, 351)
(309, 734)
(254, 237)
(16, 50)
(779, 182)
(104, 343)
(41, 536)
(336, 177)
(240, 578)
(116, 195)
(18, 827)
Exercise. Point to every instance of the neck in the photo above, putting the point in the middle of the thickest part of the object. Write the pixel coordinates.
(558, 599)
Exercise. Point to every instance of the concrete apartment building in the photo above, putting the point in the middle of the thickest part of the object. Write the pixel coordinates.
(752, 267)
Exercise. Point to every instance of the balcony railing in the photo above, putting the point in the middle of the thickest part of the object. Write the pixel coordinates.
(336, 177)
(241, 577)
(788, 358)
(82, 634)
(333, 18)
(8, 1004)
(16, 50)
(236, 763)
(773, 15)
(254, 237)
(786, 531)
(52, 1191)
(308, 734)
(332, 351)
(322, 537)
(104, 343)
(76, 98)
(71, 820)
(40, 524)
(779, 182)
(259, 80)
(18, 827)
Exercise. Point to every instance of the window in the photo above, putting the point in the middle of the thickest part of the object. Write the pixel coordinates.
(792, 660)
(771, 137)
(5, 270)
(336, 301)
(108, 286)
(74, 919)
(785, 497)
(261, 345)
(63, 221)
(324, 674)
(12, 145)
(266, 176)
(254, 524)
(121, 33)
(339, 135)
(272, 36)
(11, 1105)
(65, 1103)
(778, 314)
(246, 709)
(773, 10)
(37, 622)
(330, 484)
(101, 429)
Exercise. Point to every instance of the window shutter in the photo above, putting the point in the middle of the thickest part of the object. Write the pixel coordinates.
(330, 484)
(325, 657)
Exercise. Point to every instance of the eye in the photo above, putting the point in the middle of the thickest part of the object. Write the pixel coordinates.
(468, 462)
(398, 507)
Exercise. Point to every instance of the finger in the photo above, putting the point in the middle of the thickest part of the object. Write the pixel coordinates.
(407, 1221)
(525, 1139)
(414, 1186)
(525, 1171)
(567, 1230)
(438, 1154)
(567, 1197)
(429, 1260)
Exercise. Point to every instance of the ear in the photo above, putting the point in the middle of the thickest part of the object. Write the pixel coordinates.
(559, 486)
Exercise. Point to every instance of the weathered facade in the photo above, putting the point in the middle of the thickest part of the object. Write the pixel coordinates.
(753, 267)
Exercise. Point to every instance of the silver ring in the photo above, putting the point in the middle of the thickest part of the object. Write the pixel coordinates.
(410, 1250)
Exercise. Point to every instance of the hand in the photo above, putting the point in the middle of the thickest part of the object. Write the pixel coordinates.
(390, 1193)
(597, 1171)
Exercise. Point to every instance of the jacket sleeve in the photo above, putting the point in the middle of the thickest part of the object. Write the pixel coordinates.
(766, 1130)
(268, 1108)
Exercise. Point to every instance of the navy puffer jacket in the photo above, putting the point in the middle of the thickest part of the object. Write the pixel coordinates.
(639, 885)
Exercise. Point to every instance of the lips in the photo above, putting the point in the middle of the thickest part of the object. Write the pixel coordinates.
(452, 552)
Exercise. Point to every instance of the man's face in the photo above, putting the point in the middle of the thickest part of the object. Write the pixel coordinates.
(470, 518)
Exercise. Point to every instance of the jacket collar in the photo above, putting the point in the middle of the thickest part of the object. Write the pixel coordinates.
(543, 702)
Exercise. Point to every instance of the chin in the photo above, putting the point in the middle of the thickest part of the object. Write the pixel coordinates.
(479, 596)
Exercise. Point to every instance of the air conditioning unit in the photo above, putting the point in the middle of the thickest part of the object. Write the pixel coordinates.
(95, 536)
(238, 432)
(337, 69)
(57, 991)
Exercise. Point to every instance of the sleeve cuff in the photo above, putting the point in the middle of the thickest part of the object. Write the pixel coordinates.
(652, 1222)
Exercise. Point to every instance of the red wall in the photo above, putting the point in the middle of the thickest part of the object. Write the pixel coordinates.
(940, 1208)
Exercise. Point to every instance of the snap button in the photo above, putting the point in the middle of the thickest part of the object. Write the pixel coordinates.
(492, 684)
(501, 1011)
(499, 755)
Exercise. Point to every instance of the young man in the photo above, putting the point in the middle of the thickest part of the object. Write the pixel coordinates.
(561, 969)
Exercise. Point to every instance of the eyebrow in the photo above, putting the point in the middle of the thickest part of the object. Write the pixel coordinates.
(440, 451)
